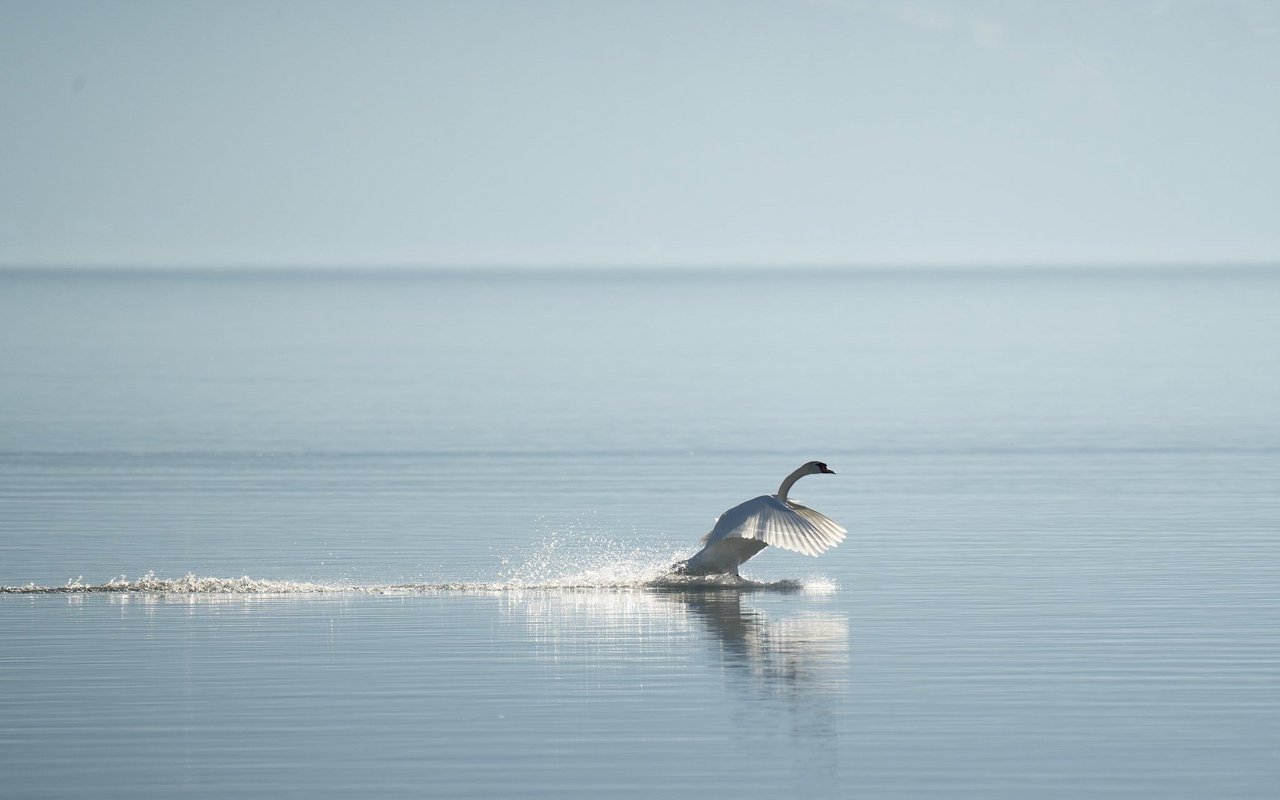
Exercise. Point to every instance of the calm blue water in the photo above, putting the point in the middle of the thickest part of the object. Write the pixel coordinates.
(393, 533)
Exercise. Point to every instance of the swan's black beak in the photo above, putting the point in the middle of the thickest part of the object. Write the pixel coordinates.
(826, 470)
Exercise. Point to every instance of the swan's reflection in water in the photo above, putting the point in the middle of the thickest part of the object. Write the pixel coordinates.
(782, 674)
(800, 659)
(796, 649)
(805, 649)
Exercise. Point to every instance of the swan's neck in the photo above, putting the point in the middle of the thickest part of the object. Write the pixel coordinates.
(790, 481)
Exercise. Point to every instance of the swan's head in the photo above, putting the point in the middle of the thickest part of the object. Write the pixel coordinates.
(809, 468)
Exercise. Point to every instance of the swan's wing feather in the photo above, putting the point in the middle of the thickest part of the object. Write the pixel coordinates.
(825, 532)
(784, 524)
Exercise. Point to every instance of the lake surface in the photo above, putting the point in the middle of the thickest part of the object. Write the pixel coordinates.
(344, 534)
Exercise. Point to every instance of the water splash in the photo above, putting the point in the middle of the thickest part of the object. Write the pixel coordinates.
(571, 560)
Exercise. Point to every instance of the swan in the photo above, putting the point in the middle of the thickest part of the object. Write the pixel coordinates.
(770, 519)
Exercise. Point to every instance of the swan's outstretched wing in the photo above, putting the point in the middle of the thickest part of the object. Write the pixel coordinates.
(781, 523)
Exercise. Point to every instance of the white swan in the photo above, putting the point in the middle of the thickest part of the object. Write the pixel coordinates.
(770, 519)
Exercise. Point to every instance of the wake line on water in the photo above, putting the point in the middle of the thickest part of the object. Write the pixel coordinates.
(197, 585)
(562, 561)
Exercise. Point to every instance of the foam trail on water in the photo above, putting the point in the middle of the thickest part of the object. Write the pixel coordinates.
(560, 562)
(188, 584)
(191, 584)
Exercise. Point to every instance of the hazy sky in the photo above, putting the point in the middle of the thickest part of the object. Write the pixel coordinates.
(649, 132)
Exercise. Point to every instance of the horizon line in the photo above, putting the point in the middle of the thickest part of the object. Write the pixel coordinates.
(637, 266)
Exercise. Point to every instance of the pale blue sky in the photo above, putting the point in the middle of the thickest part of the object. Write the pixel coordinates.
(877, 132)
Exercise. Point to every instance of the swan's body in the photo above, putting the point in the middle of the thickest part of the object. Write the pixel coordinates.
(770, 519)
